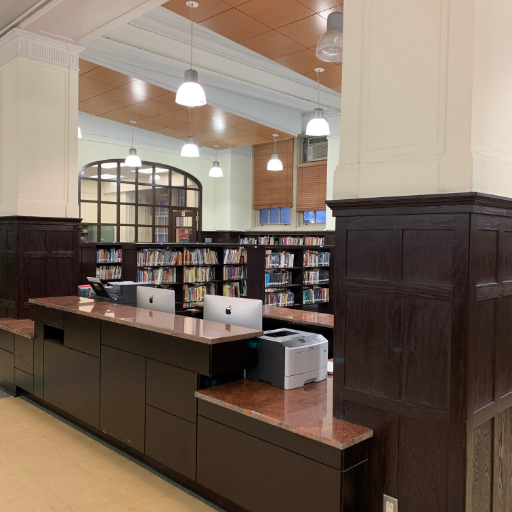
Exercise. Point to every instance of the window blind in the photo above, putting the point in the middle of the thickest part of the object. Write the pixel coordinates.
(311, 186)
(273, 189)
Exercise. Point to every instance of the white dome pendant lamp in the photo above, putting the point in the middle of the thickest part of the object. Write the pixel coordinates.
(132, 160)
(216, 171)
(274, 164)
(318, 126)
(190, 148)
(330, 46)
(190, 93)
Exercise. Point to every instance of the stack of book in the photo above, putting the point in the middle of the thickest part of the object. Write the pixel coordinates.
(197, 275)
(109, 272)
(277, 279)
(278, 259)
(316, 276)
(164, 257)
(316, 259)
(280, 299)
(157, 276)
(315, 295)
(234, 289)
(232, 256)
(314, 240)
(85, 290)
(112, 255)
(201, 257)
(234, 273)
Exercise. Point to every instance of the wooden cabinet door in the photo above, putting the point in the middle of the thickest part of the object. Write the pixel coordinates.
(123, 396)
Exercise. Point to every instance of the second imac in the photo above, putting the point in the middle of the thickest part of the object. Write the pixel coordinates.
(234, 311)
(156, 299)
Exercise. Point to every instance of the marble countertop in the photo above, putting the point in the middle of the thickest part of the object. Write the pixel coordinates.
(23, 328)
(202, 331)
(299, 317)
(306, 411)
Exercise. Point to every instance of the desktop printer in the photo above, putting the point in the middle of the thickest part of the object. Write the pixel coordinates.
(122, 292)
(289, 359)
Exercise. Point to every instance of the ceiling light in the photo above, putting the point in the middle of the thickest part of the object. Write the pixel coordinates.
(132, 160)
(156, 180)
(79, 133)
(318, 126)
(216, 171)
(274, 164)
(190, 93)
(330, 46)
(190, 148)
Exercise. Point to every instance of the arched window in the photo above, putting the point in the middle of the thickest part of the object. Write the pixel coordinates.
(151, 203)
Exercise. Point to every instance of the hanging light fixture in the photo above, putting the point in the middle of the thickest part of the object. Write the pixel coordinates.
(274, 164)
(190, 148)
(79, 133)
(330, 46)
(318, 126)
(190, 93)
(216, 171)
(132, 160)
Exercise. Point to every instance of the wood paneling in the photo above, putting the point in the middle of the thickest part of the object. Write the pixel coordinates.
(311, 186)
(7, 372)
(481, 484)
(24, 354)
(82, 333)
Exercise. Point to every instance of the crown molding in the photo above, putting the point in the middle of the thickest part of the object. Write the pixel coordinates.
(19, 43)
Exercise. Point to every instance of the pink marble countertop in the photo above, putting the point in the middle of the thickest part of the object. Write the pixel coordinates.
(23, 327)
(202, 331)
(306, 411)
(299, 317)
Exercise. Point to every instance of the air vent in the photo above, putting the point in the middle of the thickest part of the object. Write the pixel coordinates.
(317, 149)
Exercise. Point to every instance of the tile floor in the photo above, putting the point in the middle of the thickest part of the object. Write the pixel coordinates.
(47, 464)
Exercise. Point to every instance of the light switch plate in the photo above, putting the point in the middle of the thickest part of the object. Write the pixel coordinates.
(390, 504)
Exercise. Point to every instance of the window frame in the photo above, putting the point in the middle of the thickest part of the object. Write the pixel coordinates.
(315, 212)
(269, 216)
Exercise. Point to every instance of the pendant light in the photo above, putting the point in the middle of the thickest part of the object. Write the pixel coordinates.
(330, 46)
(190, 93)
(318, 126)
(274, 164)
(190, 148)
(216, 171)
(132, 160)
(79, 133)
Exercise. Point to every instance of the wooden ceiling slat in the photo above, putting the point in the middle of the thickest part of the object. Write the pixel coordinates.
(275, 14)
(209, 8)
(272, 45)
(235, 25)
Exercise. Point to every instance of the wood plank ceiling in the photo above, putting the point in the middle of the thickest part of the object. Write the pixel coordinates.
(118, 97)
(286, 31)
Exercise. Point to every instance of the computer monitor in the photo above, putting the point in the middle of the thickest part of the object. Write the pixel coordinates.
(234, 311)
(98, 287)
(156, 299)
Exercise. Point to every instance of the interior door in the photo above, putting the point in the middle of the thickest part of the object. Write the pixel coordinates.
(185, 226)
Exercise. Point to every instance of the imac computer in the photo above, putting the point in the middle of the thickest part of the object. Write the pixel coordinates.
(156, 299)
(234, 311)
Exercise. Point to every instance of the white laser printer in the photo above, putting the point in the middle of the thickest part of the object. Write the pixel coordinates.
(289, 359)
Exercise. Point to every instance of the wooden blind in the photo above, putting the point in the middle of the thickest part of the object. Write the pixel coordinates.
(273, 189)
(311, 186)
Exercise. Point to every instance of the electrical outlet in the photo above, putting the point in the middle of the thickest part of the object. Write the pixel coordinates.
(390, 504)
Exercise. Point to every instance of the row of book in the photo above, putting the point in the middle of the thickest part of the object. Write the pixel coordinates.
(282, 240)
(164, 257)
(234, 289)
(112, 255)
(255, 240)
(278, 259)
(275, 279)
(197, 274)
(194, 294)
(280, 299)
(315, 295)
(109, 272)
(316, 276)
(316, 259)
(234, 273)
(235, 256)
(200, 257)
(157, 276)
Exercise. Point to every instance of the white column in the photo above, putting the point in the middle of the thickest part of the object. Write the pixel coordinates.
(427, 98)
(38, 126)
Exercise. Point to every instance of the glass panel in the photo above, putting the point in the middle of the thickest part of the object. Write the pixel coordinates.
(108, 233)
(109, 191)
(108, 171)
(127, 214)
(162, 196)
(88, 233)
(185, 222)
(178, 180)
(264, 215)
(127, 193)
(285, 215)
(127, 234)
(88, 190)
(163, 174)
(127, 173)
(191, 183)
(192, 198)
(145, 234)
(145, 174)
(145, 216)
(90, 172)
(321, 216)
(161, 236)
(89, 212)
(309, 217)
(108, 214)
(161, 216)
(178, 197)
(145, 194)
(274, 215)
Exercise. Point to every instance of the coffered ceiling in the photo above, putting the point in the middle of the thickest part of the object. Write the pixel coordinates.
(286, 31)
(122, 98)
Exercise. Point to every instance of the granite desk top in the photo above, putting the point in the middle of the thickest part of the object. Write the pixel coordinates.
(202, 331)
(23, 328)
(299, 317)
(306, 411)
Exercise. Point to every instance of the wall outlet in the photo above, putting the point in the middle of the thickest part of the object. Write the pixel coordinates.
(390, 504)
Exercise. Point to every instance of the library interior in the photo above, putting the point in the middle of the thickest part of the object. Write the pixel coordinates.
(255, 256)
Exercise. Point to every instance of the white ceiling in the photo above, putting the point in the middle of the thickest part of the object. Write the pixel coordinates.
(11, 10)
